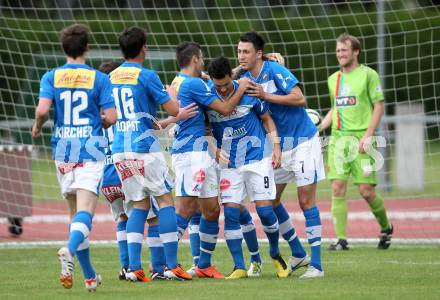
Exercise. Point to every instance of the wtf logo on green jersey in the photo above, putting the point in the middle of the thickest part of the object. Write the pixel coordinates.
(342, 101)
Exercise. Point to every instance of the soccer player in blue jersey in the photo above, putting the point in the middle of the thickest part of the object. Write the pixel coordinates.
(136, 153)
(241, 137)
(111, 188)
(78, 94)
(300, 145)
(195, 169)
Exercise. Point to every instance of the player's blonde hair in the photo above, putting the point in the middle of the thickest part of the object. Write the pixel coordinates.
(354, 41)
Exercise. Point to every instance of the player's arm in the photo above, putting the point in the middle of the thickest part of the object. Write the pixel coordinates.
(327, 121)
(377, 99)
(275, 56)
(378, 111)
(294, 98)
(227, 107)
(109, 117)
(166, 97)
(171, 106)
(186, 112)
(41, 116)
(107, 103)
(271, 130)
(221, 156)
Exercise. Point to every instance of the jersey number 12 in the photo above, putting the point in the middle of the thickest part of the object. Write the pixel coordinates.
(71, 116)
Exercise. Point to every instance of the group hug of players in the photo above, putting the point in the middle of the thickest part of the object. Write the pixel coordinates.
(234, 139)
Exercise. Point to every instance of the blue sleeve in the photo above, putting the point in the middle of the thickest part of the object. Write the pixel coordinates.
(201, 92)
(106, 99)
(260, 107)
(284, 79)
(155, 87)
(211, 84)
(46, 86)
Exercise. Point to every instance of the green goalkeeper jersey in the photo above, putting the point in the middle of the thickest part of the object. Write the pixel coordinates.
(353, 96)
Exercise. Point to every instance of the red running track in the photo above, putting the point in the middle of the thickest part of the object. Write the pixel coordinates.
(418, 218)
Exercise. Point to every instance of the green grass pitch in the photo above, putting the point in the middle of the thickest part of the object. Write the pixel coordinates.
(402, 272)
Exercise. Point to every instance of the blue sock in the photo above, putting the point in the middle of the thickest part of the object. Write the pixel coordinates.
(121, 237)
(194, 238)
(83, 255)
(313, 230)
(288, 231)
(168, 234)
(208, 239)
(234, 236)
(182, 224)
(250, 235)
(135, 235)
(156, 249)
(271, 228)
(79, 230)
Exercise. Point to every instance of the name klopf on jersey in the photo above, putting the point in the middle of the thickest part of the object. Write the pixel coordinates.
(73, 132)
(126, 126)
(346, 101)
(113, 192)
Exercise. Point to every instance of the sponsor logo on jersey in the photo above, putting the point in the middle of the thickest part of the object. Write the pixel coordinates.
(130, 167)
(229, 132)
(113, 192)
(342, 101)
(74, 78)
(125, 75)
(65, 168)
(224, 184)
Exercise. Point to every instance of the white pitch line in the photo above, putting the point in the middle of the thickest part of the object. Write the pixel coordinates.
(107, 243)
(325, 216)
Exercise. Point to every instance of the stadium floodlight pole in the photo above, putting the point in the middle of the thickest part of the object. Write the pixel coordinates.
(383, 173)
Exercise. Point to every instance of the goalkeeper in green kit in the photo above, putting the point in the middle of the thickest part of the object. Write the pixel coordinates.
(357, 107)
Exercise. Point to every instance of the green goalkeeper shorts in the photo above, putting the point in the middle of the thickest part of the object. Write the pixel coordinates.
(344, 158)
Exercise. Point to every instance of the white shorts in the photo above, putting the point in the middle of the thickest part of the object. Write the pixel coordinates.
(254, 180)
(142, 174)
(304, 163)
(196, 174)
(74, 176)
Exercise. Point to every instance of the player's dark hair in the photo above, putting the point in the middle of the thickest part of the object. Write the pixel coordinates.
(219, 68)
(254, 38)
(131, 41)
(354, 41)
(108, 66)
(185, 52)
(75, 40)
